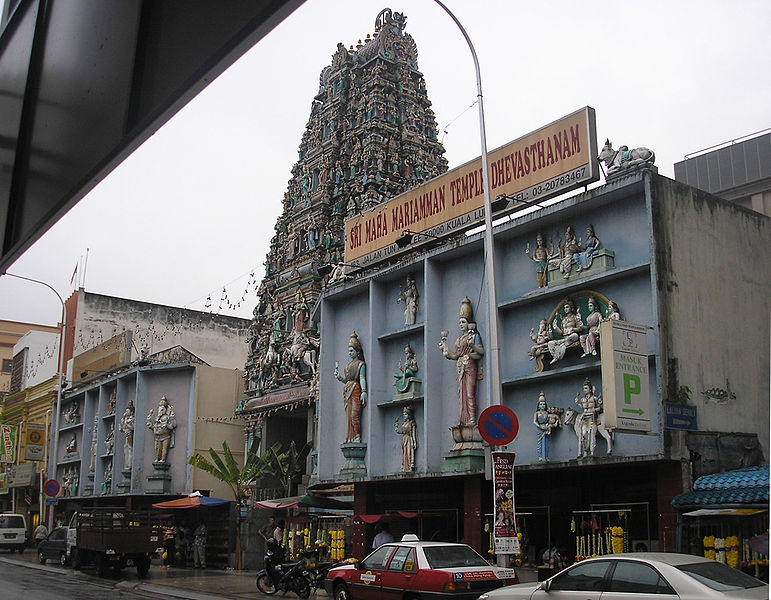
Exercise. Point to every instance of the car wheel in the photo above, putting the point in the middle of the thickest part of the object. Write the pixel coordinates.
(41, 558)
(63, 559)
(341, 592)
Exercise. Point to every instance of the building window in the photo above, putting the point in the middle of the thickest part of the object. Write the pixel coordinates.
(7, 365)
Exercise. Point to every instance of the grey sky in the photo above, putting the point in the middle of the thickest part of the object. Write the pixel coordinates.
(192, 211)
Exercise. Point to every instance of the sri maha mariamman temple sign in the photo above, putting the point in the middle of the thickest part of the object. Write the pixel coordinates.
(550, 161)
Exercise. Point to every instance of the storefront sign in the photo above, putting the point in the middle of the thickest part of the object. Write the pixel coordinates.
(550, 161)
(35, 440)
(504, 526)
(297, 394)
(625, 385)
(21, 475)
(8, 441)
(679, 416)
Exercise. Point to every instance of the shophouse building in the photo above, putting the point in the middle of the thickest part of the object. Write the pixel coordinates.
(640, 259)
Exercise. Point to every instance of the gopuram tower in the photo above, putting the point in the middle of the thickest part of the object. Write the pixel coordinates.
(370, 136)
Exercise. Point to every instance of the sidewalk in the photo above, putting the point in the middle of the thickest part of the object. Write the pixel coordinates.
(191, 584)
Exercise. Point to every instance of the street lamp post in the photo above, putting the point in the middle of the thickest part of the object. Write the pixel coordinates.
(59, 391)
(495, 351)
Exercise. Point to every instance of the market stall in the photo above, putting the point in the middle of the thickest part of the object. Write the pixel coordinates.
(725, 518)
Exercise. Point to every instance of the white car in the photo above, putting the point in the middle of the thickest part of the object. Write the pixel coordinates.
(639, 576)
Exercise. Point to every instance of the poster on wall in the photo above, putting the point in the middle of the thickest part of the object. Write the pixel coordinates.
(8, 440)
(504, 527)
(3, 483)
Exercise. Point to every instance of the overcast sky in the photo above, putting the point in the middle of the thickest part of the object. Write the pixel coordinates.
(192, 211)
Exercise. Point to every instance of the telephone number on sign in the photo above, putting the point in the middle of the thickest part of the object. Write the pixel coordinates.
(558, 182)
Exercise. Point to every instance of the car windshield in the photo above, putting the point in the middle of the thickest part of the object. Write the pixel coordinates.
(719, 576)
(11, 522)
(443, 557)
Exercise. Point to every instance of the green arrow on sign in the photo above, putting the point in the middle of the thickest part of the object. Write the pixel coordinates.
(638, 411)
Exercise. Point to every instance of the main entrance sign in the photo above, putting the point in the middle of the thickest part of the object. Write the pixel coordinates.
(625, 376)
(550, 161)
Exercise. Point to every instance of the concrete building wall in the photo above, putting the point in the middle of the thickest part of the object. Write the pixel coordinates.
(218, 340)
(218, 392)
(714, 287)
(621, 217)
(42, 359)
(10, 333)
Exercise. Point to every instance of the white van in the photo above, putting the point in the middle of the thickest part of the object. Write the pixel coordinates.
(13, 532)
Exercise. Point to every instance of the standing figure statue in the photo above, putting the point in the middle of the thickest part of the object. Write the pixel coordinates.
(405, 374)
(109, 441)
(126, 427)
(547, 421)
(92, 465)
(468, 352)
(163, 425)
(355, 391)
(541, 258)
(410, 298)
(409, 432)
(589, 339)
(591, 407)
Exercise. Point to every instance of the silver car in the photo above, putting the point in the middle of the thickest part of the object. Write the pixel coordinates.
(639, 576)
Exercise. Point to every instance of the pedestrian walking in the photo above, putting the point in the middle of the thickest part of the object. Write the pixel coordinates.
(40, 533)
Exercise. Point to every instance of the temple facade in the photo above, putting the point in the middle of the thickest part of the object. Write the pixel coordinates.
(371, 135)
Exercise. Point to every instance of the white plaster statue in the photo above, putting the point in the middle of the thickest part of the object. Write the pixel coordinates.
(623, 158)
(410, 298)
(589, 422)
(163, 425)
(589, 339)
(570, 330)
(126, 427)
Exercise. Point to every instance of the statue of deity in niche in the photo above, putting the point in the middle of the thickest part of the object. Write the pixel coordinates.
(355, 391)
(409, 432)
(410, 298)
(163, 425)
(468, 352)
(408, 373)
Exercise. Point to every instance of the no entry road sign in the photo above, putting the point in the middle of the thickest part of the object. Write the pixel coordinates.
(498, 425)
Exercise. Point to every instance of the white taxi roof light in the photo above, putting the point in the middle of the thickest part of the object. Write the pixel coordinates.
(410, 537)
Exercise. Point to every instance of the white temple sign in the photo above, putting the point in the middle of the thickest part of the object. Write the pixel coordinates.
(625, 376)
(547, 162)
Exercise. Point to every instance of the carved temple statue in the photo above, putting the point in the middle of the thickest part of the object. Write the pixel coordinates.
(407, 374)
(467, 354)
(162, 425)
(624, 158)
(355, 391)
(409, 432)
(409, 295)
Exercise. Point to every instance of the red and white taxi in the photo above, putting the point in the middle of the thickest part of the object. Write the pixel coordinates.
(427, 569)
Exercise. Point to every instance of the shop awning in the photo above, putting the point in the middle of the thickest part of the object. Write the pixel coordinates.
(309, 501)
(747, 487)
(194, 500)
(722, 512)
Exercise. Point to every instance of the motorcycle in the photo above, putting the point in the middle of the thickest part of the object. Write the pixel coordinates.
(278, 576)
(316, 571)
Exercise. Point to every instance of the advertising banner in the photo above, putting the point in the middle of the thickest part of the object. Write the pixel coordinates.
(504, 526)
(555, 159)
(35, 440)
(625, 377)
(8, 441)
(21, 475)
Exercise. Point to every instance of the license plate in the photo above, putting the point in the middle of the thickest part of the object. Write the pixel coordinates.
(9, 536)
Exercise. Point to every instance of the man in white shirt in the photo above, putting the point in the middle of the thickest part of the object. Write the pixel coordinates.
(383, 536)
